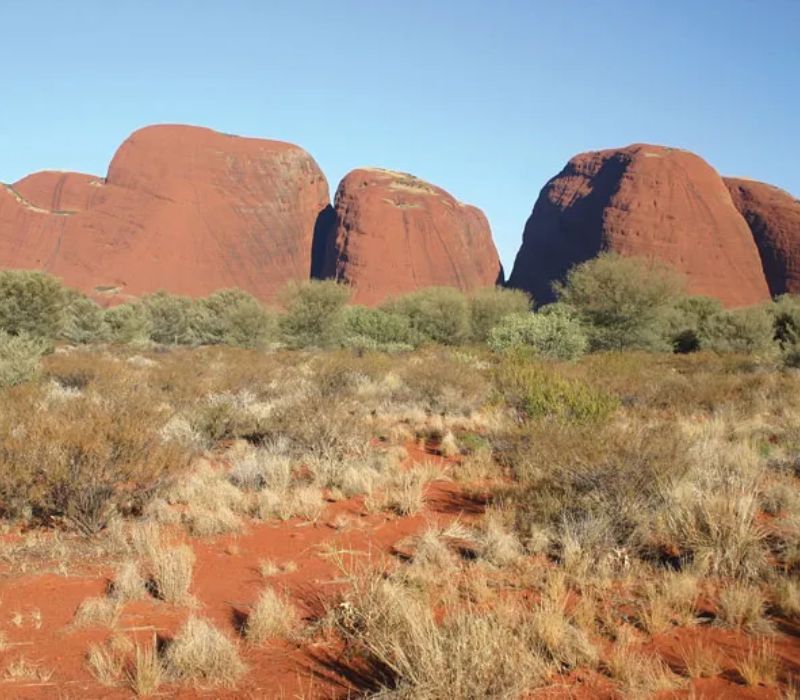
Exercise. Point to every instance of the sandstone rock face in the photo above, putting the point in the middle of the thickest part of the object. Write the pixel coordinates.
(648, 201)
(774, 219)
(394, 233)
(184, 209)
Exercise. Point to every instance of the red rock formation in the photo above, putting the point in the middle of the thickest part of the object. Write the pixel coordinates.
(184, 209)
(648, 201)
(395, 233)
(774, 219)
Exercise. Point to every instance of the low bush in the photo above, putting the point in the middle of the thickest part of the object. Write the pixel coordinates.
(83, 320)
(314, 313)
(748, 330)
(82, 460)
(437, 314)
(233, 317)
(127, 323)
(31, 302)
(376, 329)
(489, 306)
(20, 357)
(538, 392)
(556, 335)
(171, 318)
(688, 318)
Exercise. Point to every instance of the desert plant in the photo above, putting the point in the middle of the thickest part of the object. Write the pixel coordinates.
(314, 313)
(31, 302)
(687, 319)
(232, 317)
(556, 335)
(170, 318)
(20, 357)
(127, 323)
(437, 314)
(490, 305)
(748, 330)
(82, 461)
(623, 302)
(376, 329)
(272, 615)
(201, 653)
(83, 320)
(535, 391)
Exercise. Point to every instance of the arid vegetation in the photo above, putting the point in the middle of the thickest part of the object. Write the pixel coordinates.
(398, 514)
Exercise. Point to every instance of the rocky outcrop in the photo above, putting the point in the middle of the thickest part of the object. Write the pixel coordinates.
(394, 233)
(648, 201)
(774, 219)
(184, 209)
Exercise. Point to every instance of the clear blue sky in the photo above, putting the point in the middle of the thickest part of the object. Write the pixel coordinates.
(487, 99)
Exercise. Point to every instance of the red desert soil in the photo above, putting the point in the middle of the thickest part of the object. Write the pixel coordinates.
(36, 609)
(642, 200)
(395, 233)
(774, 218)
(184, 209)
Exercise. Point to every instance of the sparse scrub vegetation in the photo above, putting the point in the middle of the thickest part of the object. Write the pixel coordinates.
(557, 507)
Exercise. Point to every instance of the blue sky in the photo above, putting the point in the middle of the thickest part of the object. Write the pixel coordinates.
(486, 99)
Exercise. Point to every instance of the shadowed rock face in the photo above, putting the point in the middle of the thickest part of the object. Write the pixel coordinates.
(647, 201)
(394, 233)
(184, 209)
(774, 219)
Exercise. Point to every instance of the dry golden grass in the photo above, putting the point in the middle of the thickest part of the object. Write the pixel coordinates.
(200, 653)
(744, 606)
(171, 571)
(701, 660)
(760, 665)
(272, 615)
(98, 611)
(145, 671)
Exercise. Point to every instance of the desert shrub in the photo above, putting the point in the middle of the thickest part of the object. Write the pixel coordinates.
(623, 302)
(470, 654)
(376, 329)
(556, 335)
(748, 330)
(538, 392)
(171, 318)
(31, 302)
(20, 357)
(489, 306)
(83, 320)
(84, 459)
(201, 653)
(314, 315)
(437, 314)
(232, 317)
(687, 319)
(127, 323)
(785, 312)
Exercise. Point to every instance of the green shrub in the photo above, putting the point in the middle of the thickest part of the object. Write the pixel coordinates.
(687, 319)
(170, 318)
(376, 329)
(437, 314)
(31, 302)
(83, 320)
(556, 335)
(489, 306)
(20, 357)
(538, 392)
(785, 314)
(623, 302)
(232, 317)
(314, 314)
(747, 330)
(127, 323)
